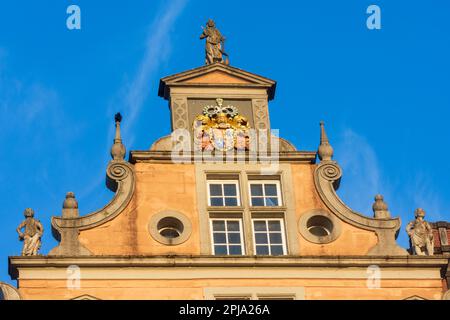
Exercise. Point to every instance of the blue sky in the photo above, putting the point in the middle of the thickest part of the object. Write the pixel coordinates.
(384, 94)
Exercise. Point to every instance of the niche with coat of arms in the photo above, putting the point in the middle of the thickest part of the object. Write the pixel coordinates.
(221, 128)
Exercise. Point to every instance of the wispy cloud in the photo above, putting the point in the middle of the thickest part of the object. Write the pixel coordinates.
(363, 177)
(362, 174)
(158, 48)
(424, 195)
(132, 95)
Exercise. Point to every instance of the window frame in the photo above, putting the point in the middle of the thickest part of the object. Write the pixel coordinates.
(222, 182)
(283, 236)
(241, 235)
(264, 182)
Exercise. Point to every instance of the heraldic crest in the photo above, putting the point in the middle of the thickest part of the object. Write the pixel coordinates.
(221, 128)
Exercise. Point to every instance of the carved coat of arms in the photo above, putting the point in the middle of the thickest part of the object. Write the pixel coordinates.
(221, 128)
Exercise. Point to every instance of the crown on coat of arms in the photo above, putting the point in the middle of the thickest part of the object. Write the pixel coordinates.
(221, 128)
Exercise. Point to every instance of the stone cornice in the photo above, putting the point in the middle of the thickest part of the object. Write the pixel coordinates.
(182, 79)
(166, 156)
(17, 262)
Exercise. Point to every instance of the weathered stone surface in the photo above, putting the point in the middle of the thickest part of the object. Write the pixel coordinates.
(421, 234)
(32, 234)
(8, 292)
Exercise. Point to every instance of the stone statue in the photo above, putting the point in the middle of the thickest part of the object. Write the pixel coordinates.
(8, 292)
(421, 234)
(214, 43)
(32, 235)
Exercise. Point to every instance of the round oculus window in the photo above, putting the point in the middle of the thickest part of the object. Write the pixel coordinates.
(170, 227)
(319, 226)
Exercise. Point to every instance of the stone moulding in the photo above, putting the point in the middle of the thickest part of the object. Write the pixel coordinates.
(120, 178)
(327, 176)
(343, 261)
(191, 157)
(247, 79)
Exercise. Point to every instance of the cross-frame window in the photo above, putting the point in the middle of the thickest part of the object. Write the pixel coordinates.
(269, 237)
(227, 238)
(223, 193)
(254, 204)
(265, 193)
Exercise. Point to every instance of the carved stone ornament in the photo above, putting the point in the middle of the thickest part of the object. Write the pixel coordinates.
(221, 128)
(120, 178)
(8, 292)
(215, 42)
(446, 295)
(327, 176)
(380, 208)
(420, 234)
(31, 236)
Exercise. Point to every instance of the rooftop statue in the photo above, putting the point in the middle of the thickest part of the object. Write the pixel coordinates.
(421, 234)
(32, 234)
(215, 43)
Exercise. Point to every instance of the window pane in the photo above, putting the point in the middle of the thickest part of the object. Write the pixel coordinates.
(217, 202)
(256, 189)
(218, 225)
(235, 250)
(219, 238)
(234, 238)
(270, 189)
(276, 250)
(274, 226)
(215, 189)
(259, 225)
(220, 250)
(275, 238)
(231, 202)
(271, 202)
(261, 238)
(229, 189)
(233, 225)
(257, 202)
(262, 250)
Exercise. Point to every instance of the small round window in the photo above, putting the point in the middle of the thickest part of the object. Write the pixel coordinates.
(319, 226)
(170, 227)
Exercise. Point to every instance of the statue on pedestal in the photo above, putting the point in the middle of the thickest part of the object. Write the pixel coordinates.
(32, 234)
(214, 43)
(421, 234)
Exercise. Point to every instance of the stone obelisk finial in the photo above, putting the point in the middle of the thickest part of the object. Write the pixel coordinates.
(325, 151)
(380, 208)
(118, 149)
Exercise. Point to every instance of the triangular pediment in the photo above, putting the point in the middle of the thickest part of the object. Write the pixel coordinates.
(415, 298)
(219, 77)
(216, 74)
(85, 297)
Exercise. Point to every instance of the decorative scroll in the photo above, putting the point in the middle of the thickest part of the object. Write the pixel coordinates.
(326, 177)
(121, 179)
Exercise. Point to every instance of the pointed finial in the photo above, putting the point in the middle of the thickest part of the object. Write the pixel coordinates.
(325, 151)
(380, 208)
(118, 117)
(118, 149)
